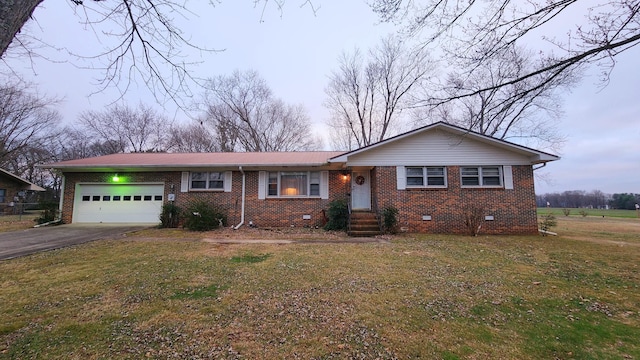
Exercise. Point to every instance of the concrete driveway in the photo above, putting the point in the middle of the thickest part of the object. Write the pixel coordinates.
(26, 242)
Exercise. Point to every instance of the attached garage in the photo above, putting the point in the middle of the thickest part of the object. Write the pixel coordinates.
(118, 203)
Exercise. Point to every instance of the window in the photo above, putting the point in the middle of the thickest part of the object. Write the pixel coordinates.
(157, 198)
(314, 183)
(86, 197)
(490, 176)
(106, 198)
(3, 193)
(428, 176)
(137, 197)
(116, 197)
(207, 180)
(147, 198)
(126, 198)
(272, 186)
(299, 183)
(96, 197)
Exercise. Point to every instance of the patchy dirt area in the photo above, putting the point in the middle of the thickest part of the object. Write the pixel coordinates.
(258, 235)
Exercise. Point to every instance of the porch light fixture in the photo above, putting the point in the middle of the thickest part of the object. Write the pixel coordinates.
(115, 178)
(345, 175)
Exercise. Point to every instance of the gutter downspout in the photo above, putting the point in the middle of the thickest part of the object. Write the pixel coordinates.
(243, 200)
(540, 167)
(62, 185)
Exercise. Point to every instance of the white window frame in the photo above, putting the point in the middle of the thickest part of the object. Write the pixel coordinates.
(208, 181)
(481, 176)
(425, 177)
(315, 179)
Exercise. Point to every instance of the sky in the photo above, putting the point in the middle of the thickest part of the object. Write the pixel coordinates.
(296, 50)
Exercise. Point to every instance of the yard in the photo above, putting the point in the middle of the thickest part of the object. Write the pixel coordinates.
(163, 294)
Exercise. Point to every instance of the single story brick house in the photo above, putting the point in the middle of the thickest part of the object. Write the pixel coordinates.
(13, 188)
(432, 175)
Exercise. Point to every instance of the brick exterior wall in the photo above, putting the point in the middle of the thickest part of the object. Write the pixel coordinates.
(11, 188)
(264, 213)
(514, 211)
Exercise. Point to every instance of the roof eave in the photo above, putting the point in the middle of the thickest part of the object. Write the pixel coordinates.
(173, 167)
(28, 184)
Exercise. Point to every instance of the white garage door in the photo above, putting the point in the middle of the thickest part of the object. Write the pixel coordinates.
(121, 203)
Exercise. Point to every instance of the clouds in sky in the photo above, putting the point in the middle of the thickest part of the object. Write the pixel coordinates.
(296, 50)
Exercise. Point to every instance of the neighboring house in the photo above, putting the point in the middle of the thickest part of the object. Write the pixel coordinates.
(433, 175)
(13, 189)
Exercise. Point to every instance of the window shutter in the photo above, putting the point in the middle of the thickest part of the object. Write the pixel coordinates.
(324, 185)
(228, 180)
(184, 184)
(401, 177)
(508, 177)
(262, 185)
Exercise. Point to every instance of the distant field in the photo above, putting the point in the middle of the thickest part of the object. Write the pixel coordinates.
(590, 212)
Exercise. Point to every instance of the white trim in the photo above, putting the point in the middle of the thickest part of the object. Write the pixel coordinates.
(425, 178)
(184, 182)
(207, 181)
(401, 178)
(228, 179)
(480, 177)
(262, 185)
(508, 177)
(324, 185)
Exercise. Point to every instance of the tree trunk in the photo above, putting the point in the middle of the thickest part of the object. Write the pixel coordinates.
(13, 15)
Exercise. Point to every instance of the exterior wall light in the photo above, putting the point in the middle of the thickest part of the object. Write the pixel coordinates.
(115, 178)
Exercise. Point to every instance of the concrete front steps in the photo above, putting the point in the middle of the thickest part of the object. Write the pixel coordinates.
(363, 224)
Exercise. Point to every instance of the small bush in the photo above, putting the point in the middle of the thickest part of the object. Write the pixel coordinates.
(390, 219)
(202, 216)
(566, 212)
(49, 212)
(170, 215)
(584, 213)
(473, 219)
(548, 221)
(338, 214)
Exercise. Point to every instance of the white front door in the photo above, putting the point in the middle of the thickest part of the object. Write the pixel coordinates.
(361, 190)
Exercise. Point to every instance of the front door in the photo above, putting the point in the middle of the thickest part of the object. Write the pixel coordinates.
(361, 190)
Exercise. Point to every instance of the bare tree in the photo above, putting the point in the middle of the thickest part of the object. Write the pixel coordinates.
(477, 30)
(123, 129)
(244, 115)
(27, 123)
(509, 112)
(73, 143)
(193, 137)
(148, 42)
(366, 96)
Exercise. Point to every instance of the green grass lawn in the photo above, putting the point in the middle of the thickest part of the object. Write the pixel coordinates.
(590, 212)
(574, 296)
